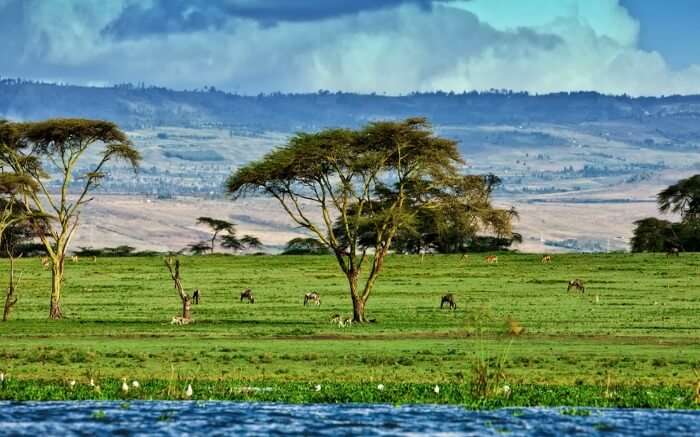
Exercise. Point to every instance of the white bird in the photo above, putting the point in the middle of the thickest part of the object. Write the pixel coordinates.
(318, 387)
(380, 387)
(125, 387)
(72, 383)
(506, 390)
(135, 384)
(92, 382)
(436, 389)
(189, 391)
(2, 377)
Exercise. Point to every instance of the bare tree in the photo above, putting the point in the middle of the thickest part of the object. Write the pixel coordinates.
(11, 296)
(173, 266)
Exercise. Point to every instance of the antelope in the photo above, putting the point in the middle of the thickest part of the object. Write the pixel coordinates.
(337, 319)
(180, 321)
(248, 295)
(673, 252)
(195, 296)
(491, 259)
(74, 258)
(576, 284)
(312, 297)
(448, 299)
(546, 259)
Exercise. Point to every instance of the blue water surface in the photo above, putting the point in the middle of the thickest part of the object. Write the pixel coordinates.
(234, 418)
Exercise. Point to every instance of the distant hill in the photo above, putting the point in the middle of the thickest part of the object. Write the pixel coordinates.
(580, 167)
(135, 107)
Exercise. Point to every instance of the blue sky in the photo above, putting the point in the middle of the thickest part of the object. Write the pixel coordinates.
(638, 47)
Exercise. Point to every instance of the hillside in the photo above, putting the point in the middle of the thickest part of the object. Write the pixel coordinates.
(675, 117)
(565, 155)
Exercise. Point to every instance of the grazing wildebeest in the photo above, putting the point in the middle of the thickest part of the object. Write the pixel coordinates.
(576, 284)
(546, 259)
(674, 251)
(195, 296)
(491, 259)
(248, 295)
(448, 299)
(312, 297)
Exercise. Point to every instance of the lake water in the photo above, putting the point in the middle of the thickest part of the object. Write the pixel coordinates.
(231, 418)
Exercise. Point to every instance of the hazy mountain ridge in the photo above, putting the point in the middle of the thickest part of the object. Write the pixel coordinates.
(595, 158)
(137, 107)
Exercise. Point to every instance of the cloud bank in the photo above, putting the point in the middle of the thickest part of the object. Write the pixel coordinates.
(393, 46)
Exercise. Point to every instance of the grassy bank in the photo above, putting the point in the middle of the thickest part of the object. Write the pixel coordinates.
(525, 395)
(640, 331)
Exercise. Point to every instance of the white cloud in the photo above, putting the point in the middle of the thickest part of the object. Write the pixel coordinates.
(538, 46)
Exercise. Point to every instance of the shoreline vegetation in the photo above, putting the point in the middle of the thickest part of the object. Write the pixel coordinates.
(517, 337)
(519, 395)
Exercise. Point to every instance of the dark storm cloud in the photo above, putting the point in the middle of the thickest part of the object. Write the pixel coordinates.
(183, 16)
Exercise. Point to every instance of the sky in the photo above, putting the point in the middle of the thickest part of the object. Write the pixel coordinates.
(637, 47)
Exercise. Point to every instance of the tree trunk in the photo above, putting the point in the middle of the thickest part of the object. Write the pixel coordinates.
(56, 283)
(358, 305)
(10, 299)
(186, 308)
(358, 310)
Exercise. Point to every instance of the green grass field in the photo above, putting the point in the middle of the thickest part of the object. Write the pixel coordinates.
(642, 330)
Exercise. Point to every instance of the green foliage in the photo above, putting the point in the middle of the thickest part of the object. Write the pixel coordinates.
(295, 392)
(216, 225)
(117, 251)
(305, 246)
(682, 198)
(655, 235)
(199, 248)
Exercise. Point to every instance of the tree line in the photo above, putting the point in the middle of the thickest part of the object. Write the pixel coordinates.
(359, 193)
(28, 151)
(652, 234)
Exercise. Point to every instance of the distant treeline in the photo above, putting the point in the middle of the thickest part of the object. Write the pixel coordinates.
(655, 235)
(138, 105)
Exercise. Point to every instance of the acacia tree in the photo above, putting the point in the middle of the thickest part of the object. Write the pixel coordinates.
(654, 235)
(12, 216)
(446, 217)
(305, 246)
(232, 242)
(337, 174)
(683, 198)
(60, 146)
(217, 226)
(15, 223)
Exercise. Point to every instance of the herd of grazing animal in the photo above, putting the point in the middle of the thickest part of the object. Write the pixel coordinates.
(314, 298)
(447, 300)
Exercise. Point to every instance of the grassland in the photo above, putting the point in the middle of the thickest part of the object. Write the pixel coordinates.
(641, 331)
